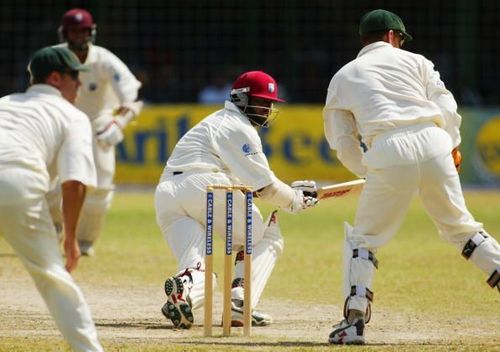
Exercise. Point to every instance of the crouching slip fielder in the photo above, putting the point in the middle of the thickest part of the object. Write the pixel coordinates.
(407, 118)
(224, 148)
(108, 96)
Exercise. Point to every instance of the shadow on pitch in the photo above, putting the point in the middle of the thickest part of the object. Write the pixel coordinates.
(135, 324)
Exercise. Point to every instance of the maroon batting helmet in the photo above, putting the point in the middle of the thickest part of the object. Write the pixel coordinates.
(77, 18)
(257, 84)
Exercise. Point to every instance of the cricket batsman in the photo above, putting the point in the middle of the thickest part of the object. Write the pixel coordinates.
(108, 95)
(224, 148)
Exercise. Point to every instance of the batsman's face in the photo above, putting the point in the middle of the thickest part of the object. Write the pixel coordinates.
(78, 37)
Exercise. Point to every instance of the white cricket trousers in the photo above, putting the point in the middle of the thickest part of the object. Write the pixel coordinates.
(401, 164)
(28, 228)
(180, 203)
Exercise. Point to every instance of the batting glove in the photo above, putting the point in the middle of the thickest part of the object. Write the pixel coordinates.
(127, 112)
(110, 136)
(301, 202)
(308, 187)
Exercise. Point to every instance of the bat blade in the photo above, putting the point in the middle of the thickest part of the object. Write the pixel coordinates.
(340, 189)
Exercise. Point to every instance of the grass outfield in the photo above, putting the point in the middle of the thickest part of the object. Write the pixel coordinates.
(419, 274)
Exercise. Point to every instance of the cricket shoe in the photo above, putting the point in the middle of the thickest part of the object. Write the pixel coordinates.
(86, 248)
(348, 333)
(258, 318)
(178, 306)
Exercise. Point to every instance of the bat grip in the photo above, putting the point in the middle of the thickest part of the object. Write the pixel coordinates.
(310, 194)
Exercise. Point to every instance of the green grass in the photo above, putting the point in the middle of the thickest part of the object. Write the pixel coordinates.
(418, 271)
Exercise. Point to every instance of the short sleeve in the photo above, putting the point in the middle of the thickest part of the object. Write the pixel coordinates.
(124, 83)
(75, 160)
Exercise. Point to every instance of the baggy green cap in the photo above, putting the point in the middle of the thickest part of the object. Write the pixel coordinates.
(52, 58)
(380, 20)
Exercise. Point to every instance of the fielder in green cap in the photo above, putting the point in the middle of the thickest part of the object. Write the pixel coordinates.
(380, 20)
(392, 121)
(45, 139)
(50, 58)
(58, 67)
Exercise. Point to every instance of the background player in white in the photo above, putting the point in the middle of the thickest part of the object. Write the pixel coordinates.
(108, 96)
(42, 135)
(396, 102)
(224, 148)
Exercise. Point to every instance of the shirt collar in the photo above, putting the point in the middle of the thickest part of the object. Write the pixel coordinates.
(231, 107)
(42, 88)
(373, 46)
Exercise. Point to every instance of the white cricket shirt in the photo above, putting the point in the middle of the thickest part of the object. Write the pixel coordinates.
(44, 135)
(107, 85)
(224, 141)
(383, 89)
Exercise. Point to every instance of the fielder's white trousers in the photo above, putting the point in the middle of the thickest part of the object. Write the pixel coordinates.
(27, 227)
(403, 163)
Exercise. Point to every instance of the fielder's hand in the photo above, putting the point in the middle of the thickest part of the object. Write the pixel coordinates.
(457, 157)
(72, 253)
(111, 135)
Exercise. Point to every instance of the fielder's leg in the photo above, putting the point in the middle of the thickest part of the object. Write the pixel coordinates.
(265, 254)
(30, 232)
(95, 207)
(443, 199)
(383, 204)
(359, 266)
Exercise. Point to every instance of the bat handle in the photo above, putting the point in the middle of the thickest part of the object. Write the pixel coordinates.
(310, 194)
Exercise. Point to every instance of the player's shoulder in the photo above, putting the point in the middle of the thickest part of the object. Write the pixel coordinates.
(102, 53)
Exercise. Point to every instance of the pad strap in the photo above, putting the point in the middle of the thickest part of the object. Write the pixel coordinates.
(365, 254)
(494, 279)
(362, 292)
(474, 242)
(238, 282)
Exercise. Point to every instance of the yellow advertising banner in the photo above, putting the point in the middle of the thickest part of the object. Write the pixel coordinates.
(294, 144)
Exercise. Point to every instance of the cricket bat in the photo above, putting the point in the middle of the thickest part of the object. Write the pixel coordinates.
(340, 189)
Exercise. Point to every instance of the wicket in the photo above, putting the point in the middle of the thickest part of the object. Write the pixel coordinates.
(228, 260)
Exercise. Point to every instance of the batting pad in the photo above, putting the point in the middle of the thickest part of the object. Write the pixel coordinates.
(265, 254)
(359, 269)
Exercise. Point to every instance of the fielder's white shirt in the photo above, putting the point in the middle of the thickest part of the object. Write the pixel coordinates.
(224, 141)
(383, 89)
(45, 135)
(107, 85)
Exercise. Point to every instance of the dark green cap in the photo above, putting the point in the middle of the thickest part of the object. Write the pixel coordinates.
(52, 58)
(380, 20)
